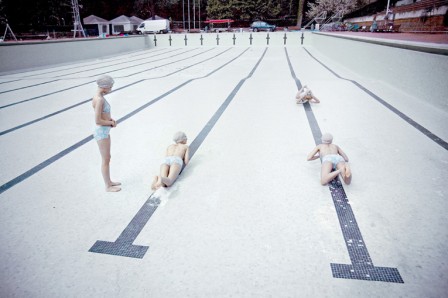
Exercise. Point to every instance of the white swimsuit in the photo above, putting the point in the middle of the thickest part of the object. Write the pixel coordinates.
(169, 160)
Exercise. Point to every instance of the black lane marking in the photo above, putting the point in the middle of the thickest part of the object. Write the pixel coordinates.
(107, 60)
(52, 159)
(397, 112)
(139, 72)
(9, 81)
(87, 100)
(127, 66)
(44, 95)
(361, 266)
(29, 86)
(124, 246)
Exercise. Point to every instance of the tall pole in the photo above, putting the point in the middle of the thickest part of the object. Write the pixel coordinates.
(194, 14)
(387, 8)
(199, 14)
(188, 8)
(183, 13)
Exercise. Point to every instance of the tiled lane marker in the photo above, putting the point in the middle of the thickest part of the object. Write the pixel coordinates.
(29, 86)
(403, 116)
(88, 100)
(53, 69)
(90, 76)
(66, 151)
(124, 246)
(361, 266)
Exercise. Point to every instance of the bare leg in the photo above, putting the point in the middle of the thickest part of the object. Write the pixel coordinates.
(104, 146)
(164, 170)
(154, 182)
(326, 174)
(172, 176)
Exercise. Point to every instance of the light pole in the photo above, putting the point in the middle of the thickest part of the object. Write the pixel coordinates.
(194, 14)
(183, 13)
(188, 15)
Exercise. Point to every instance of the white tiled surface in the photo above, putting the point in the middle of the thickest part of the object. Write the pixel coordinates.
(248, 217)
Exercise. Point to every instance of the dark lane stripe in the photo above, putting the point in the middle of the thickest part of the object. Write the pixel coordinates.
(124, 246)
(397, 112)
(49, 161)
(47, 94)
(87, 100)
(29, 86)
(127, 66)
(361, 266)
(77, 66)
(108, 61)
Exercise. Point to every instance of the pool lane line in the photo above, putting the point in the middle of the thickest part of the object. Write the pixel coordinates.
(124, 246)
(390, 107)
(361, 266)
(51, 93)
(43, 83)
(59, 155)
(134, 65)
(87, 100)
(80, 62)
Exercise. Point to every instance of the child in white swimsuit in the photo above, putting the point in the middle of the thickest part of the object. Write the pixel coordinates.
(177, 155)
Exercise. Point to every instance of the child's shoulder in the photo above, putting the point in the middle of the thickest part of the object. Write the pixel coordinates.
(97, 98)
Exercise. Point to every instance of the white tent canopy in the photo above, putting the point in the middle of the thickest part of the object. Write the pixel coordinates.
(124, 24)
(92, 19)
(136, 20)
(103, 25)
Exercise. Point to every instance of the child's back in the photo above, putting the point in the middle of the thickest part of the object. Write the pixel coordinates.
(177, 150)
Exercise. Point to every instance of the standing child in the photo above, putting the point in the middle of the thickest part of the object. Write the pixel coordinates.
(177, 155)
(104, 123)
(334, 160)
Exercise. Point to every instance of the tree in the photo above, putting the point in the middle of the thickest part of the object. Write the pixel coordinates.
(246, 10)
(219, 9)
(300, 13)
(333, 6)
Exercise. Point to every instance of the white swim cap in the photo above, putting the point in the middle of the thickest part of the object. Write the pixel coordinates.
(327, 138)
(179, 137)
(105, 81)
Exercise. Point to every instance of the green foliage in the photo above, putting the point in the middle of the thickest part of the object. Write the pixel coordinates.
(38, 14)
(246, 10)
(333, 6)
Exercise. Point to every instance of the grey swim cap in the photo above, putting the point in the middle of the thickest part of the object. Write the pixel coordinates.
(105, 81)
(179, 137)
(327, 138)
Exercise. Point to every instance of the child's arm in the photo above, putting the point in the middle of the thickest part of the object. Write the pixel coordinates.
(299, 93)
(187, 156)
(315, 99)
(313, 154)
(99, 102)
(341, 153)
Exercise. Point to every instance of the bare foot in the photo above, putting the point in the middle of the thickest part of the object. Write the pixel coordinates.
(154, 182)
(342, 171)
(348, 172)
(159, 183)
(115, 183)
(113, 189)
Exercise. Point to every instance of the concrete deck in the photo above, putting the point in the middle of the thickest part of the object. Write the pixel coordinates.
(248, 217)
